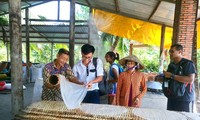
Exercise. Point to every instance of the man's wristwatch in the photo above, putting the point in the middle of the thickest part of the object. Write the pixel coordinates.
(172, 76)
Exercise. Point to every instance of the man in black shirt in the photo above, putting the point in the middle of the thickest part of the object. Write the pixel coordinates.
(186, 76)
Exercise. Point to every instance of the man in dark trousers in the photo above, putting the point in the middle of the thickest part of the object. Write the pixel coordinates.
(182, 71)
(86, 73)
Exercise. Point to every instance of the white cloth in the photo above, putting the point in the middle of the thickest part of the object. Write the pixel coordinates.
(36, 71)
(72, 94)
(154, 85)
(80, 72)
(37, 90)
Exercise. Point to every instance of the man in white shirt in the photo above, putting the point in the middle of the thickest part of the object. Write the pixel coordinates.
(86, 73)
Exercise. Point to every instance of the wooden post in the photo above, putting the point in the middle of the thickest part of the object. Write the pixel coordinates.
(16, 56)
(90, 23)
(72, 32)
(52, 44)
(115, 43)
(162, 55)
(28, 80)
(131, 48)
(8, 51)
(162, 39)
(58, 8)
(194, 59)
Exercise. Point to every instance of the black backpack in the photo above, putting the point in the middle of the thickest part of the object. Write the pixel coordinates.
(172, 88)
(103, 84)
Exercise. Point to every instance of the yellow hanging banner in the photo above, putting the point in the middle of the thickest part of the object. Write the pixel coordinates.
(198, 34)
(132, 29)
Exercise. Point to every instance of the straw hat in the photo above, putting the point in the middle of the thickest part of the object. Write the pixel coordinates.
(131, 58)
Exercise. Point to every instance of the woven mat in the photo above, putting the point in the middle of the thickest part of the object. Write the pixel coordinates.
(157, 114)
(53, 110)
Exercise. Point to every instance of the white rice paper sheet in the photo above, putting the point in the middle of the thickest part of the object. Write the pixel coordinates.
(72, 94)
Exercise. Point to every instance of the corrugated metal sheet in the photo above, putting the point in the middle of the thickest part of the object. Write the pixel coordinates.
(28, 3)
(164, 14)
(138, 9)
(51, 33)
(154, 11)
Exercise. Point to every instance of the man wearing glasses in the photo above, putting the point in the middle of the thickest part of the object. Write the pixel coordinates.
(85, 72)
(183, 71)
(180, 74)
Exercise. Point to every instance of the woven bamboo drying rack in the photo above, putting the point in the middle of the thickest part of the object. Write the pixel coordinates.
(54, 110)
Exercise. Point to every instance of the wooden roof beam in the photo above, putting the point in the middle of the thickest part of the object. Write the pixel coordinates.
(155, 9)
(7, 12)
(89, 4)
(171, 1)
(39, 33)
(51, 20)
(141, 45)
(117, 6)
(55, 42)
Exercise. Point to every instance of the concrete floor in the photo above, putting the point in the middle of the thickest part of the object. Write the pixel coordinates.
(151, 100)
(5, 105)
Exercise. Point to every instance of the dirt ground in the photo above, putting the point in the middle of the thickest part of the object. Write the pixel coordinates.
(151, 100)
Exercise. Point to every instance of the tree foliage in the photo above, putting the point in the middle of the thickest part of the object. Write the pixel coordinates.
(148, 55)
(41, 52)
(3, 55)
(82, 12)
(3, 20)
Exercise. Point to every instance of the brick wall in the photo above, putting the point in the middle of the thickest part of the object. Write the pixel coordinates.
(185, 25)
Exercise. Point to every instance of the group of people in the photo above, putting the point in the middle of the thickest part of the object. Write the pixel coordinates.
(128, 87)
